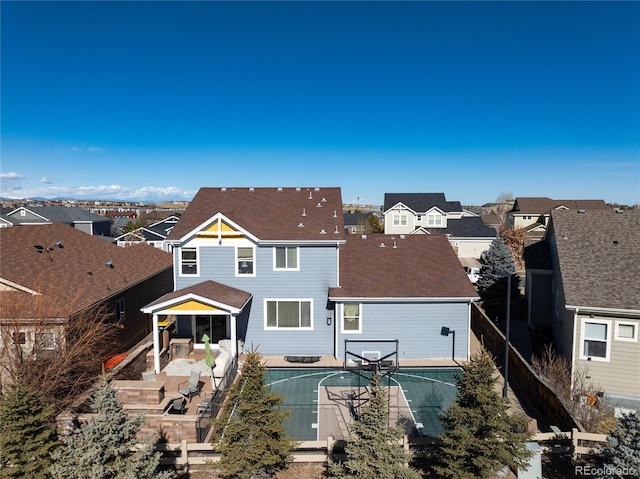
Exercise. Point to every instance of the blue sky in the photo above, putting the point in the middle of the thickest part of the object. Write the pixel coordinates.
(150, 100)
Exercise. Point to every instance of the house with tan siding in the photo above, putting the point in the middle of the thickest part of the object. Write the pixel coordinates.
(593, 292)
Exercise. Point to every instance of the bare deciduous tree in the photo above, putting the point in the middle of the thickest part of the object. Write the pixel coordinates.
(514, 239)
(54, 348)
(578, 394)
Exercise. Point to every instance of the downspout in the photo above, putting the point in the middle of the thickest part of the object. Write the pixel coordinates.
(468, 331)
(336, 315)
(573, 346)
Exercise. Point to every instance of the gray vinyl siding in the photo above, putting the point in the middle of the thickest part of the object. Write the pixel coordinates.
(317, 272)
(416, 326)
(618, 376)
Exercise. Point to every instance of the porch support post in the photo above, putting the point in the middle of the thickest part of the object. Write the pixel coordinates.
(156, 344)
(234, 335)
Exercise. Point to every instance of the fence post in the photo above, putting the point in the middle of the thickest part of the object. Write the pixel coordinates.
(184, 453)
(574, 445)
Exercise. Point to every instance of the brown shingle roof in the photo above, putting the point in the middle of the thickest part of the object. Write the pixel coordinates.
(209, 289)
(269, 213)
(76, 275)
(420, 266)
(599, 256)
(542, 205)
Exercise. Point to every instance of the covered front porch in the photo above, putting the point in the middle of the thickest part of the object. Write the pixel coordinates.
(196, 318)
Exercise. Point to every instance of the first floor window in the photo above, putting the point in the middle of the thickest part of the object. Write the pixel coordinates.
(288, 314)
(245, 261)
(351, 317)
(189, 261)
(595, 339)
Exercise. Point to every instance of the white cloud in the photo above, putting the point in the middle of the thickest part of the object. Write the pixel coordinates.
(45, 180)
(107, 192)
(12, 175)
(91, 149)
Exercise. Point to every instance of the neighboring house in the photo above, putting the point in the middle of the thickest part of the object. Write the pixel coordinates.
(358, 223)
(273, 269)
(431, 213)
(532, 213)
(154, 234)
(594, 296)
(69, 215)
(71, 272)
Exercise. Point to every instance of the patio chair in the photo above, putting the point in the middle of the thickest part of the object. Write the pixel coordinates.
(149, 375)
(177, 406)
(191, 387)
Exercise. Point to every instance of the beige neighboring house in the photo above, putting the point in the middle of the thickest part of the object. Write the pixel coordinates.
(52, 272)
(593, 292)
(532, 213)
(432, 214)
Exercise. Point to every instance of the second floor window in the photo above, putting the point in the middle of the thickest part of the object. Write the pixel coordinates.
(399, 220)
(245, 261)
(189, 261)
(434, 220)
(286, 257)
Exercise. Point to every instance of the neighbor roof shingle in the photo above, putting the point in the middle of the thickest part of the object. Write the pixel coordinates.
(542, 205)
(599, 257)
(419, 266)
(269, 213)
(76, 275)
(421, 202)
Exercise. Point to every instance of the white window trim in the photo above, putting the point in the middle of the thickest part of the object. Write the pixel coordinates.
(297, 268)
(606, 322)
(299, 300)
(180, 273)
(635, 325)
(255, 263)
(350, 331)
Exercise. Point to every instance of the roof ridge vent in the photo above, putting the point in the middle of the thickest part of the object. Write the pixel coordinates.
(251, 188)
(298, 189)
(364, 236)
(310, 195)
(581, 212)
(619, 211)
(319, 205)
(300, 225)
(324, 200)
(279, 188)
(317, 189)
(323, 232)
(223, 189)
(382, 245)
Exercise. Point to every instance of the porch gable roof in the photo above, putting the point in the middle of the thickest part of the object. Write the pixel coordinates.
(202, 297)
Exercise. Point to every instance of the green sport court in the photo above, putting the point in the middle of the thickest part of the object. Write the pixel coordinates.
(323, 402)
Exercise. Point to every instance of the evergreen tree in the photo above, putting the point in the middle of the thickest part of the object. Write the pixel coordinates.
(495, 264)
(27, 433)
(480, 437)
(106, 447)
(374, 448)
(621, 457)
(254, 442)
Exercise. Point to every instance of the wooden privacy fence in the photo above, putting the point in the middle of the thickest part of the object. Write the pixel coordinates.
(522, 379)
(183, 454)
(576, 442)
